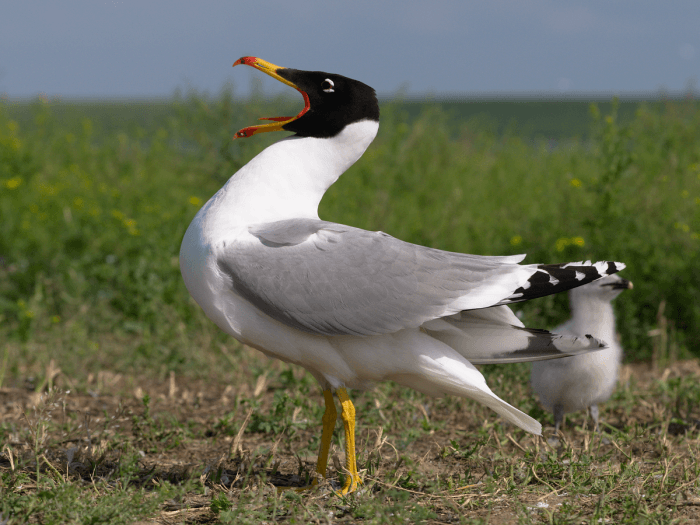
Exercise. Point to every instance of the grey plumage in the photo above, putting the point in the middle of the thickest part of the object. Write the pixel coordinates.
(330, 279)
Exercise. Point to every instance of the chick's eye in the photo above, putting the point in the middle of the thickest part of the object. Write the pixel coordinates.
(327, 86)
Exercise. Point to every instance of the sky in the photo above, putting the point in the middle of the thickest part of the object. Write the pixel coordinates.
(150, 48)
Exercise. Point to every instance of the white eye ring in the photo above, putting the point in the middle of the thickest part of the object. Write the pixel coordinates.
(331, 84)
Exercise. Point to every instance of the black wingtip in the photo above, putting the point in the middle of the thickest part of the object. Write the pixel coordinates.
(554, 278)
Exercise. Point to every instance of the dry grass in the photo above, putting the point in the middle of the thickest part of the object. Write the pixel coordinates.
(183, 450)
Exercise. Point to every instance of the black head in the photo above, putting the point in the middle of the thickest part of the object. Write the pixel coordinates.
(331, 101)
(334, 102)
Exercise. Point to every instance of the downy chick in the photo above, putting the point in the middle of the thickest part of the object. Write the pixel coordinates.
(575, 383)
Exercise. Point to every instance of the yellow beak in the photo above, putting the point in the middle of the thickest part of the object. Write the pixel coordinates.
(269, 69)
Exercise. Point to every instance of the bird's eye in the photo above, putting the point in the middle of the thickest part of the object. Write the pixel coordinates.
(327, 86)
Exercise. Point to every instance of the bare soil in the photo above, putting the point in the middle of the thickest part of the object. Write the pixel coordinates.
(191, 430)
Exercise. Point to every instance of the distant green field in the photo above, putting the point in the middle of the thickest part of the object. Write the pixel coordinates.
(525, 117)
(95, 198)
(528, 118)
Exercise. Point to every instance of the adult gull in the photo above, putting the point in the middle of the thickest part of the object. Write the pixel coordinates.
(354, 307)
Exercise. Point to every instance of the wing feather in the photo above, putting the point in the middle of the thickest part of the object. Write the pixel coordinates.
(330, 279)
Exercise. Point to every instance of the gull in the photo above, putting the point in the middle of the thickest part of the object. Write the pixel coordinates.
(355, 307)
(575, 383)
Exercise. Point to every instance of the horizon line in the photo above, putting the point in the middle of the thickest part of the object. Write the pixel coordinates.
(466, 96)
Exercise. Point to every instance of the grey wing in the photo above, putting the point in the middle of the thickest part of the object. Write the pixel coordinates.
(329, 279)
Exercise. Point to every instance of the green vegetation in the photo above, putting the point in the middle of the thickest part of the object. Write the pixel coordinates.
(95, 199)
(93, 215)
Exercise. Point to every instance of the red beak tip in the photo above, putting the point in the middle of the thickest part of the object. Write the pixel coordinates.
(248, 61)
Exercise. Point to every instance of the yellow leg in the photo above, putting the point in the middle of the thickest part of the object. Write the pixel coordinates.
(329, 417)
(352, 479)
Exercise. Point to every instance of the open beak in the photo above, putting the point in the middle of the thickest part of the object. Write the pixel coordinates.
(279, 122)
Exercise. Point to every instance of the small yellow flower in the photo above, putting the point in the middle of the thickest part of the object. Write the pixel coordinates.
(55, 319)
(562, 243)
(28, 314)
(682, 226)
(78, 203)
(131, 226)
(195, 201)
(609, 119)
(685, 194)
(117, 215)
(13, 183)
(515, 240)
(576, 183)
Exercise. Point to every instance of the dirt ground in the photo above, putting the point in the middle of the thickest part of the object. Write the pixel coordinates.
(198, 430)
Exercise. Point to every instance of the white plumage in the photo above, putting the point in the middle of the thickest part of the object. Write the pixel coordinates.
(355, 307)
(576, 383)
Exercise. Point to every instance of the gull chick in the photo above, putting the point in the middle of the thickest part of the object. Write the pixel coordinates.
(575, 383)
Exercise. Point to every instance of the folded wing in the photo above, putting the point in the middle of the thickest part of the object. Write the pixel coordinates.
(329, 279)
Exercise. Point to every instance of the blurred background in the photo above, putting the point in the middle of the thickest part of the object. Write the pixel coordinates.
(450, 48)
(565, 131)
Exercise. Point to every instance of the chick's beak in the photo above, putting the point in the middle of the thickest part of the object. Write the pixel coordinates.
(622, 284)
(278, 122)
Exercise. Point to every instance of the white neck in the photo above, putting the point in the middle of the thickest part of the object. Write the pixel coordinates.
(288, 179)
(594, 316)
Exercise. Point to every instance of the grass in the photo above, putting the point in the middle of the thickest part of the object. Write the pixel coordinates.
(179, 451)
(122, 402)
